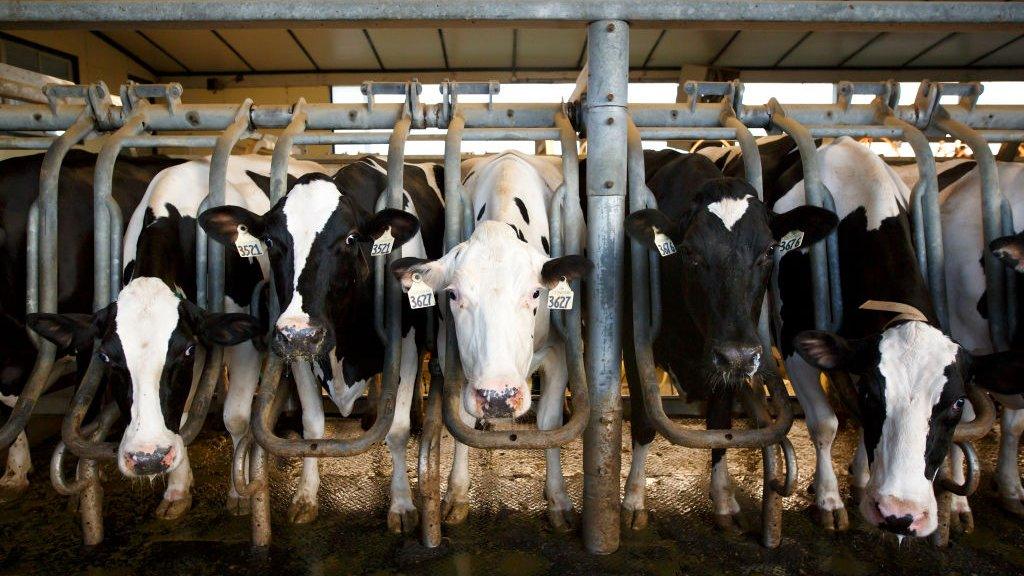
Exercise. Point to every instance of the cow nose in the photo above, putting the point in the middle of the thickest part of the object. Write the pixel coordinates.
(499, 403)
(292, 341)
(736, 356)
(148, 463)
(898, 515)
(898, 524)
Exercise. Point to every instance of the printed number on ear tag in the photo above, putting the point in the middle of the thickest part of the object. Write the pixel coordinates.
(560, 297)
(666, 247)
(247, 244)
(790, 241)
(382, 246)
(420, 295)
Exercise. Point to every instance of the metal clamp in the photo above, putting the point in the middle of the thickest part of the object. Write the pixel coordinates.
(133, 94)
(887, 91)
(450, 91)
(695, 90)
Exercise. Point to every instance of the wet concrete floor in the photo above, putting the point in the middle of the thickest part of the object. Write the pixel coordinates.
(506, 533)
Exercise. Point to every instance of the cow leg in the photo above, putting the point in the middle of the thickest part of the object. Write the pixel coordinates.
(305, 505)
(1007, 469)
(723, 492)
(859, 471)
(634, 512)
(243, 375)
(822, 425)
(19, 464)
(178, 495)
(960, 508)
(554, 377)
(455, 505)
(402, 515)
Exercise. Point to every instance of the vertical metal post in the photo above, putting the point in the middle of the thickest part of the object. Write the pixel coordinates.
(606, 120)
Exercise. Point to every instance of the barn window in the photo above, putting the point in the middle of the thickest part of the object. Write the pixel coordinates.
(33, 57)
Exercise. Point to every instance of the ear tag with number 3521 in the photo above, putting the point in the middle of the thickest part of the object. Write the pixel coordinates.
(247, 244)
(382, 246)
(791, 241)
(420, 295)
(665, 245)
(560, 297)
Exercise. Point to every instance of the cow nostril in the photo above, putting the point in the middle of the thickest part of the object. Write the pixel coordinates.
(734, 355)
(899, 524)
(147, 463)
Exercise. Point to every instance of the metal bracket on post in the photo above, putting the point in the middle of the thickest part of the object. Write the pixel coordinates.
(888, 92)
(450, 91)
(695, 90)
(132, 95)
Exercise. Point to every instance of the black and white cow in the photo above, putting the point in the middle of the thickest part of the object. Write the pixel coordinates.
(318, 238)
(495, 283)
(712, 288)
(19, 181)
(908, 378)
(151, 335)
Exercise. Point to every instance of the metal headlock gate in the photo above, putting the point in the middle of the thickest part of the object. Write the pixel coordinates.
(615, 167)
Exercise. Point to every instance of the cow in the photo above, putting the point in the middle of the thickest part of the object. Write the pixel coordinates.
(319, 238)
(19, 180)
(149, 338)
(903, 378)
(713, 288)
(494, 284)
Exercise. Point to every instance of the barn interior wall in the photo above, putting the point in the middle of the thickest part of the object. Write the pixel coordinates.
(97, 60)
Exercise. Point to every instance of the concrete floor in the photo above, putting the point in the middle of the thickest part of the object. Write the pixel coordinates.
(506, 532)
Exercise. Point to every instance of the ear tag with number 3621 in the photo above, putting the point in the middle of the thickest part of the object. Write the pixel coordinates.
(382, 246)
(560, 297)
(247, 244)
(791, 241)
(420, 295)
(665, 245)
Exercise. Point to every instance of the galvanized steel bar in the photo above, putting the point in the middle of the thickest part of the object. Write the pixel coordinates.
(218, 182)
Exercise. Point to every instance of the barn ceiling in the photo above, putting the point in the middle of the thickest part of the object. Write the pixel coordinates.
(168, 52)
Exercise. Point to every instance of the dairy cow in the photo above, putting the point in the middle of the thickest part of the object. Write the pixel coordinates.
(495, 285)
(319, 238)
(19, 180)
(152, 334)
(712, 288)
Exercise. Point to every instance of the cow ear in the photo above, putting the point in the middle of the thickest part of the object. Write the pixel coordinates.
(814, 222)
(568, 267)
(1000, 372)
(69, 332)
(263, 182)
(403, 226)
(228, 329)
(222, 223)
(640, 226)
(431, 271)
(829, 351)
(1010, 249)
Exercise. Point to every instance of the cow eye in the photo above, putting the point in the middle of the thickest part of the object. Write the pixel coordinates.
(452, 295)
(104, 357)
(766, 256)
(959, 404)
(190, 350)
(268, 242)
(536, 293)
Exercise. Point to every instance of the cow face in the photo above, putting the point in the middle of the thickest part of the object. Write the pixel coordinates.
(495, 285)
(317, 240)
(910, 386)
(725, 245)
(148, 340)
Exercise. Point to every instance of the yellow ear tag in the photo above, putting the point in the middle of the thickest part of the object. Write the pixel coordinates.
(247, 244)
(420, 295)
(560, 297)
(665, 245)
(382, 246)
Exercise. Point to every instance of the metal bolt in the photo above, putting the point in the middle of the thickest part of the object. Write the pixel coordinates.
(606, 419)
(610, 96)
(610, 28)
(352, 115)
(510, 113)
(610, 121)
(608, 184)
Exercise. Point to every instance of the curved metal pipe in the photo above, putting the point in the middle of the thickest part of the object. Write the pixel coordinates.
(283, 151)
(239, 472)
(96, 431)
(971, 478)
(984, 417)
(203, 395)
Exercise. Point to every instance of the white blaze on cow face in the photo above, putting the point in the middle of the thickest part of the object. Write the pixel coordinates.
(913, 359)
(307, 209)
(729, 210)
(147, 315)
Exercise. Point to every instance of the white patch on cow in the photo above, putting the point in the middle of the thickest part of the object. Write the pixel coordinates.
(307, 210)
(8, 401)
(730, 210)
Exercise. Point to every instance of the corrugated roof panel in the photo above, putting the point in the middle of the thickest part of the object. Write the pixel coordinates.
(757, 48)
(267, 49)
(1010, 55)
(200, 50)
(148, 53)
(892, 49)
(679, 47)
(559, 48)
(961, 49)
(826, 49)
(338, 49)
(408, 47)
(478, 47)
(640, 43)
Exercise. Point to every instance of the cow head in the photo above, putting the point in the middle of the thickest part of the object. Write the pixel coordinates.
(495, 285)
(724, 246)
(318, 242)
(148, 340)
(910, 385)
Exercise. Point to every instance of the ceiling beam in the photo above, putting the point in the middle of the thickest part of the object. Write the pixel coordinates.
(124, 51)
(303, 48)
(233, 51)
(164, 50)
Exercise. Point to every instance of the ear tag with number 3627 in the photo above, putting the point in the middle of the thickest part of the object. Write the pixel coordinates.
(382, 246)
(247, 244)
(420, 295)
(560, 297)
(665, 245)
(791, 241)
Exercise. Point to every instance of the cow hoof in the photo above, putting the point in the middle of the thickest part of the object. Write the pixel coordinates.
(303, 511)
(731, 523)
(562, 519)
(857, 494)
(454, 511)
(238, 505)
(403, 521)
(836, 520)
(963, 521)
(173, 509)
(1012, 505)
(12, 491)
(634, 519)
